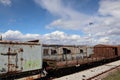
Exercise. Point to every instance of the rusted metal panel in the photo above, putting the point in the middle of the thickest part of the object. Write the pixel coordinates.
(107, 51)
(60, 54)
(66, 55)
(38, 76)
(19, 56)
(118, 49)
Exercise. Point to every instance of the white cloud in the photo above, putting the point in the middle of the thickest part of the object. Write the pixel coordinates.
(105, 27)
(104, 40)
(58, 37)
(6, 2)
(110, 7)
(17, 35)
(68, 17)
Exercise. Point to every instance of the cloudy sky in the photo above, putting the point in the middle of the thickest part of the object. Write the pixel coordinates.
(61, 21)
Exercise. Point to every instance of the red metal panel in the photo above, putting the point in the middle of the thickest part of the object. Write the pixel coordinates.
(105, 51)
(118, 48)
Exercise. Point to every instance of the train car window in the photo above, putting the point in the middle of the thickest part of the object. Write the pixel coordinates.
(66, 51)
(45, 52)
(53, 52)
(81, 51)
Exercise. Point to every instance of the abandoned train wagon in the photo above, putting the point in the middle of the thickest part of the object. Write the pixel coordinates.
(20, 59)
(61, 56)
(106, 51)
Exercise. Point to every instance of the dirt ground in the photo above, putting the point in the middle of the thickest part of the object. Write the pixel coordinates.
(107, 74)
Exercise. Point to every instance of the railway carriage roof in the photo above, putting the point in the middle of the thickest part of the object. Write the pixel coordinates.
(19, 42)
(104, 45)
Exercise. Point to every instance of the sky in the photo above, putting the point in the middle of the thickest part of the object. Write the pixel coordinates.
(74, 22)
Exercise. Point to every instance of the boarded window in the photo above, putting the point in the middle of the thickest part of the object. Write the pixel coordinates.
(81, 51)
(45, 52)
(53, 52)
(116, 51)
(66, 51)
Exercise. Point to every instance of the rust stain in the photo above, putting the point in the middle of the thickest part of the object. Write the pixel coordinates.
(21, 59)
(12, 66)
(34, 77)
(19, 43)
(31, 46)
(8, 59)
(20, 50)
(30, 78)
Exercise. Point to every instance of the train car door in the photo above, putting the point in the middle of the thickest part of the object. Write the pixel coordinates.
(10, 60)
(116, 51)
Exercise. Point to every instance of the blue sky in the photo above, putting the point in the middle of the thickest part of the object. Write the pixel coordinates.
(24, 15)
(28, 17)
(66, 18)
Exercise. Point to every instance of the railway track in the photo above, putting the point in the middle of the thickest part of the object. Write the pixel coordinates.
(93, 73)
(56, 74)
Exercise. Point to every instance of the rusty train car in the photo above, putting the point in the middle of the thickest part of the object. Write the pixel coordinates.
(20, 59)
(63, 56)
(106, 51)
(28, 59)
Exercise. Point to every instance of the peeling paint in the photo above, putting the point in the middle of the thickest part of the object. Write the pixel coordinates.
(19, 56)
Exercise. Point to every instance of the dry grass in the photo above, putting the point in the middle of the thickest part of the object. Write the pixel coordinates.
(113, 76)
